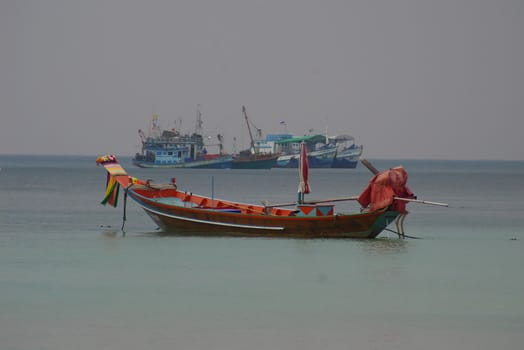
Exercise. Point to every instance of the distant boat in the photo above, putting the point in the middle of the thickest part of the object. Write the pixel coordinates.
(320, 154)
(348, 153)
(323, 152)
(171, 149)
(253, 158)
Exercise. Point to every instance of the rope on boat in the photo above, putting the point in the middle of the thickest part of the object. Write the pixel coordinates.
(124, 213)
(124, 216)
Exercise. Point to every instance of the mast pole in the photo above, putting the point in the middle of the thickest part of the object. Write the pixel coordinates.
(198, 124)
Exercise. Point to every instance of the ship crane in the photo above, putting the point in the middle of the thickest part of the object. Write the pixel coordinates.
(254, 149)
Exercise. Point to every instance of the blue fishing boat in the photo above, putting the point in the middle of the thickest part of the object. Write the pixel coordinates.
(323, 152)
(348, 153)
(320, 153)
(171, 149)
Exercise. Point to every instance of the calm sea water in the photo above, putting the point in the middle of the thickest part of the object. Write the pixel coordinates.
(70, 280)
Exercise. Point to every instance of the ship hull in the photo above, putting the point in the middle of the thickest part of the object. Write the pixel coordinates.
(255, 162)
(225, 163)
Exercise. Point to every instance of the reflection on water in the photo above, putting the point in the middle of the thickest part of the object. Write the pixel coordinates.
(381, 246)
(374, 246)
(111, 233)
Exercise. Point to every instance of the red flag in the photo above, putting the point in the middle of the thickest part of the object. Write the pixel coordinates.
(303, 170)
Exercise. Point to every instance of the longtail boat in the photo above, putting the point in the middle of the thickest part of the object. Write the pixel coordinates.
(185, 213)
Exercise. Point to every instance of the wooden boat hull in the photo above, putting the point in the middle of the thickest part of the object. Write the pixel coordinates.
(196, 221)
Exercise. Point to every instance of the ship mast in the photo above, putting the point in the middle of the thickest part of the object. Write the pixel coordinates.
(198, 124)
(154, 130)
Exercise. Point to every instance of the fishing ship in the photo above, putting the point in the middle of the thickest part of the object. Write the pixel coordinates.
(172, 149)
(320, 154)
(323, 152)
(254, 157)
(348, 153)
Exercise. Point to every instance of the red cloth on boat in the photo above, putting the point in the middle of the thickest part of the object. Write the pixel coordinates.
(382, 189)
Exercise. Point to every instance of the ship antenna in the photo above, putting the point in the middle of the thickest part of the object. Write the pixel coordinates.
(198, 125)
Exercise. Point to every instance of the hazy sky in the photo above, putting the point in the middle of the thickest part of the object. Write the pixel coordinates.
(407, 78)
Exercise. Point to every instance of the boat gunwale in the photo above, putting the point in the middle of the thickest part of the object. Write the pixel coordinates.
(151, 202)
